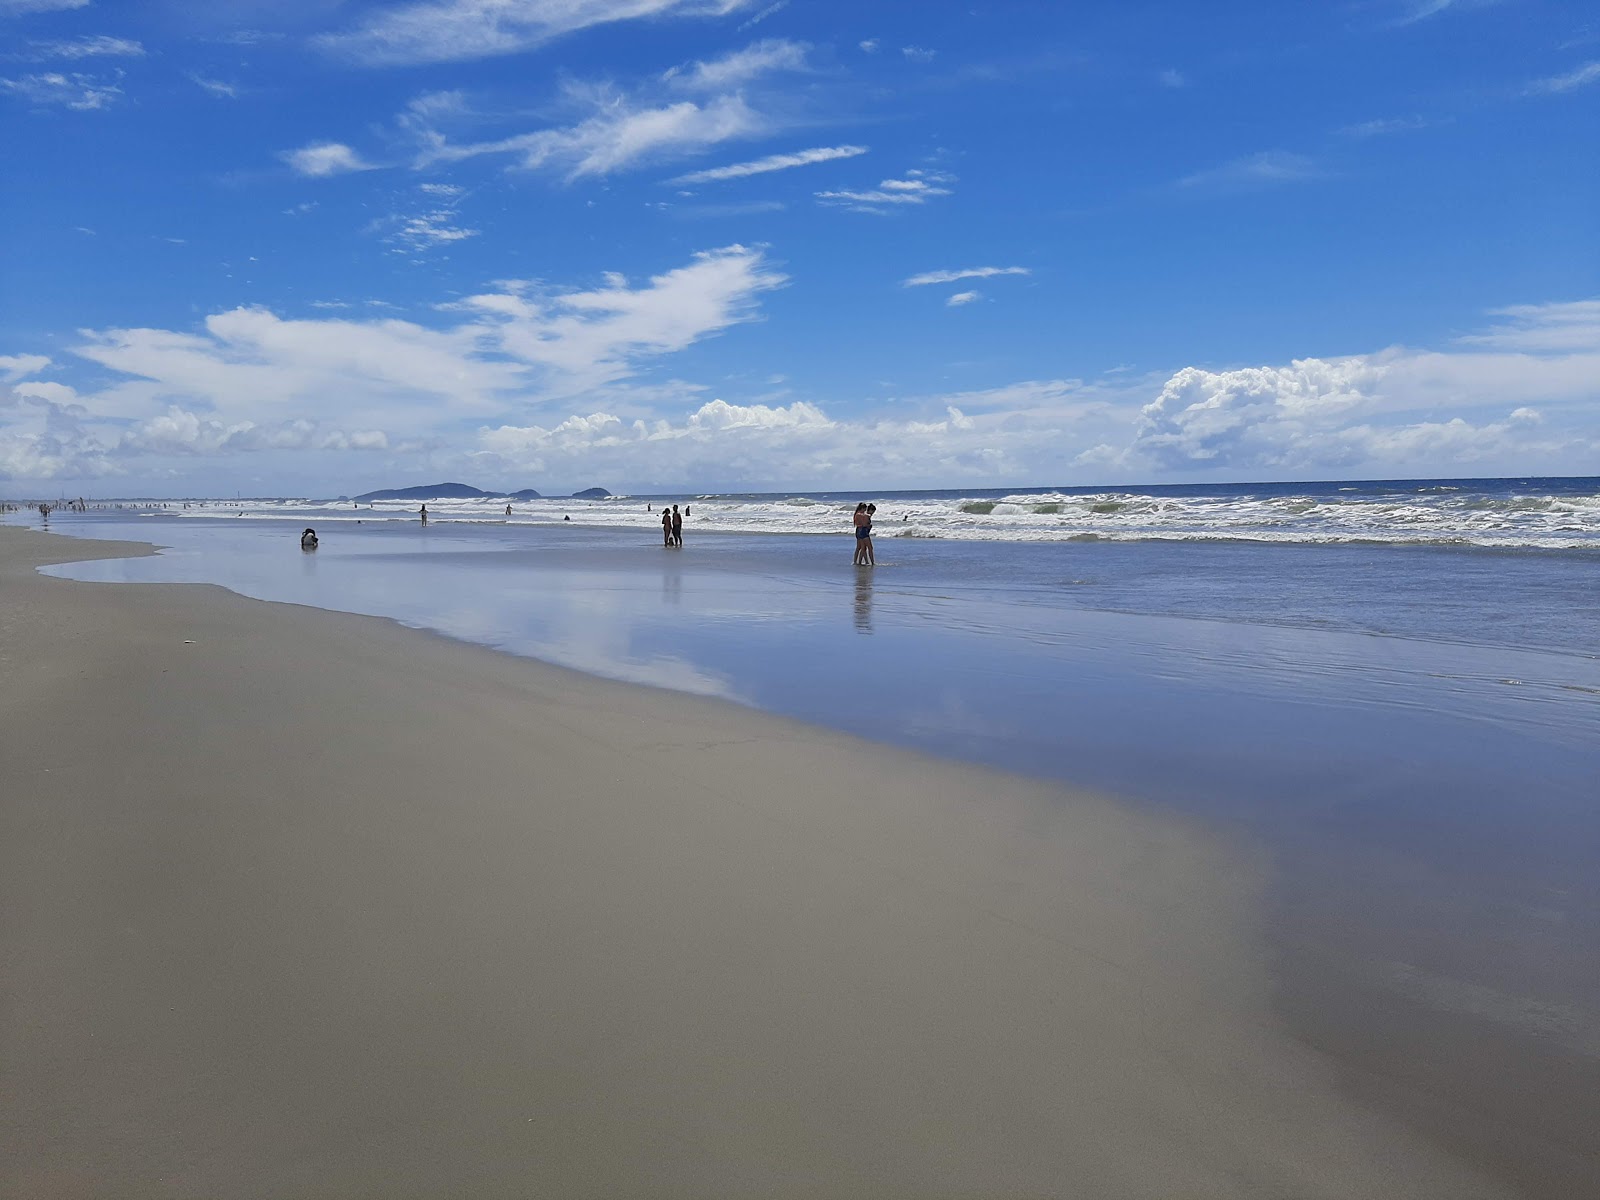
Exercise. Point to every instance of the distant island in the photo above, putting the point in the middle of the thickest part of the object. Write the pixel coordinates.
(462, 491)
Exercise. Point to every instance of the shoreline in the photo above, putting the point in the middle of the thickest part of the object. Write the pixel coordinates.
(311, 903)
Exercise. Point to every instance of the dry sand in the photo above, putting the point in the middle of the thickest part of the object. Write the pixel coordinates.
(298, 904)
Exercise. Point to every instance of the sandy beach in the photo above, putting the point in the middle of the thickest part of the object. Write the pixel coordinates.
(303, 904)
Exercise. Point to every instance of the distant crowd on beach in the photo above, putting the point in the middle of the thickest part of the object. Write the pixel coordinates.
(672, 527)
(671, 521)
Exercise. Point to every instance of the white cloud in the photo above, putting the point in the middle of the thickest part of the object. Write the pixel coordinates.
(777, 6)
(1173, 79)
(99, 46)
(425, 231)
(869, 46)
(618, 136)
(252, 380)
(928, 277)
(457, 30)
(1521, 395)
(1382, 127)
(215, 86)
(82, 93)
(740, 67)
(1391, 408)
(585, 339)
(181, 432)
(762, 446)
(918, 187)
(9, 8)
(322, 159)
(962, 298)
(1256, 170)
(1538, 328)
(919, 54)
(773, 162)
(18, 366)
(1579, 77)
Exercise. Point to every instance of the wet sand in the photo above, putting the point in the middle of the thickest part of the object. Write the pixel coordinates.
(302, 904)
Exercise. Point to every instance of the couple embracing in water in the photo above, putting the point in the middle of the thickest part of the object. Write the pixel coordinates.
(863, 523)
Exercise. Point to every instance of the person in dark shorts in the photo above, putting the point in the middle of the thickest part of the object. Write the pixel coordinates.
(677, 526)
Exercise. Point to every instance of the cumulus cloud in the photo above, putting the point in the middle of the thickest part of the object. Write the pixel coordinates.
(798, 445)
(181, 432)
(1386, 409)
(456, 30)
(963, 298)
(252, 380)
(18, 366)
(81, 93)
(928, 277)
(1519, 395)
(773, 162)
(322, 159)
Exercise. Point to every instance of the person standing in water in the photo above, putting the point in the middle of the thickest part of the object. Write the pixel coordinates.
(677, 526)
(424, 514)
(866, 542)
(863, 524)
(666, 527)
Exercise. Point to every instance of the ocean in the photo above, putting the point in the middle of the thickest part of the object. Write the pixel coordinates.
(1390, 691)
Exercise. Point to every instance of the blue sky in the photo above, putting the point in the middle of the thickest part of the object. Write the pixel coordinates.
(315, 246)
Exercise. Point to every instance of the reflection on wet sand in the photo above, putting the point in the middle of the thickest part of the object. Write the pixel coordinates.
(863, 601)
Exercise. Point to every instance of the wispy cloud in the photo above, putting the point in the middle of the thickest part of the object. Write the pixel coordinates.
(458, 30)
(1543, 328)
(928, 277)
(87, 47)
(1382, 127)
(215, 87)
(868, 46)
(761, 16)
(773, 162)
(617, 136)
(1579, 77)
(426, 231)
(701, 211)
(1257, 170)
(83, 93)
(962, 298)
(918, 187)
(919, 54)
(1173, 79)
(732, 70)
(322, 159)
(10, 8)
